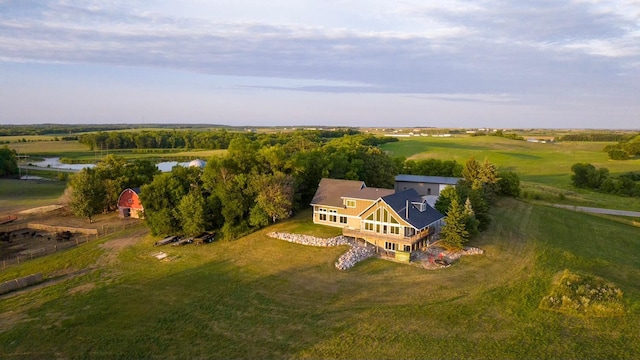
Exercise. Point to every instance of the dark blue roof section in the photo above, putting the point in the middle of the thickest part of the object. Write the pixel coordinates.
(136, 190)
(418, 219)
(428, 179)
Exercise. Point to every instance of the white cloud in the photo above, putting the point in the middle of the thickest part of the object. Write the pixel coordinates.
(447, 51)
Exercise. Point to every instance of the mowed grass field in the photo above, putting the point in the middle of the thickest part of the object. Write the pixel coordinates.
(543, 168)
(76, 152)
(258, 297)
(18, 195)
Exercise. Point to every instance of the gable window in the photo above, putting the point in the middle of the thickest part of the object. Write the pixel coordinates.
(351, 203)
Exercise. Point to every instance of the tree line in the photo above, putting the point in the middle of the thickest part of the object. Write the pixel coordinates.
(627, 148)
(587, 176)
(191, 139)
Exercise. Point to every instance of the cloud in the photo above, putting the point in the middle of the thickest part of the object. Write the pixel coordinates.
(454, 47)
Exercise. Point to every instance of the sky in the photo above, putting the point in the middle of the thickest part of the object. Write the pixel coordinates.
(362, 63)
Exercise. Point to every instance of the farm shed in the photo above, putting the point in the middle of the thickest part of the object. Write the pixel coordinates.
(129, 204)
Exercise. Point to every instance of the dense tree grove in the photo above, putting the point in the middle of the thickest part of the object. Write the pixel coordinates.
(593, 136)
(8, 161)
(260, 180)
(627, 148)
(588, 176)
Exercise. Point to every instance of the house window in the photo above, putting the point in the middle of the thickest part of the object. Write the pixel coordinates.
(407, 248)
(332, 218)
(343, 219)
(394, 230)
(323, 217)
(351, 203)
(390, 246)
(368, 226)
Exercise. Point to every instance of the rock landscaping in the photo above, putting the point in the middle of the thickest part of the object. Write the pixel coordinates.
(357, 253)
(434, 257)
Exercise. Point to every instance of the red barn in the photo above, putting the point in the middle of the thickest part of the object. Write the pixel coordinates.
(129, 204)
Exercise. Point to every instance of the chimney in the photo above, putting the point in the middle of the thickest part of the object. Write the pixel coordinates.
(407, 210)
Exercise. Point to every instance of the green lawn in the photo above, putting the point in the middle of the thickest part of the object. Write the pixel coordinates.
(23, 194)
(258, 297)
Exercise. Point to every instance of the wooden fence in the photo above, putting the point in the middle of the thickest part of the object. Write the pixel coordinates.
(87, 235)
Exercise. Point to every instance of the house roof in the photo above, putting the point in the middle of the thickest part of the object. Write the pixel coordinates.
(136, 190)
(418, 219)
(331, 191)
(368, 193)
(428, 179)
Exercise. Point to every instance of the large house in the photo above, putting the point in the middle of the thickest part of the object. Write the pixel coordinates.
(396, 221)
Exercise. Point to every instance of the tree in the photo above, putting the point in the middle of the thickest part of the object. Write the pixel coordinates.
(471, 173)
(444, 200)
(587, 176)
(471, 223)
(618, 154)
(8, 162)
(509, 184)
(191, 212)
(274, 195)
(160, 200)
(454, 234)
(87, 194)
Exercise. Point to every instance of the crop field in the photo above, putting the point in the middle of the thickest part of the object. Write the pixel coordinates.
(257, 297)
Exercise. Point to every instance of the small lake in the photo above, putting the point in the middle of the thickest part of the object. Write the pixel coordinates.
(54, 163)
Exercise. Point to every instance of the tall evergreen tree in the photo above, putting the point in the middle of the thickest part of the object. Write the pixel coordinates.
(454, 234)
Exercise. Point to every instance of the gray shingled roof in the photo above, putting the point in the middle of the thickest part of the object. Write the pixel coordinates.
(417, 219)
(429, 179)
(368, 193)
(331, 191)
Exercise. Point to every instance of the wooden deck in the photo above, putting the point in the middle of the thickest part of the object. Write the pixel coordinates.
(379, 239)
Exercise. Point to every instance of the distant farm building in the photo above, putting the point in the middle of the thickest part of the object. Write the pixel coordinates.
(129, 204)
(197, 163)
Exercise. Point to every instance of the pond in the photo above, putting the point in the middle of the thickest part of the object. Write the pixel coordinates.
(54, 163)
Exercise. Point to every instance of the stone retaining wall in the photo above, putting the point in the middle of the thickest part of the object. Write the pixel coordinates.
(347, 260)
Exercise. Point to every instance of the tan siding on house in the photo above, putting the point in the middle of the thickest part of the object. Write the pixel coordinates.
(361, 205)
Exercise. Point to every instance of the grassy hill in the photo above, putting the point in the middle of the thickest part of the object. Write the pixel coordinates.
(263, 298)
(545, 169)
